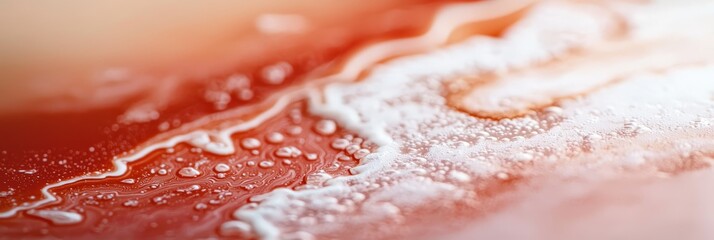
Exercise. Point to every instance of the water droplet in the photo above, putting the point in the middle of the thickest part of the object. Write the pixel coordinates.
(288, 152)
(250, 143)
(163, 172)
(275, 137)
(131, 203)
(340, 144)
(128, 181)
(311, 156)
(245, 94)
(325, 127)
(361, 153)
(266, 164)
(221, 168)
(189, 172)
(294, 130)
(200, 206)
(58, 217)
(317, 179)
(352, 149)
(275, 74)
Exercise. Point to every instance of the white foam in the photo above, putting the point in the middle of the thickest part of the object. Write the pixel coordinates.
(402, 108)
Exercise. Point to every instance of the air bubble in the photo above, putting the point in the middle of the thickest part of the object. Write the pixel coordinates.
(459, 176)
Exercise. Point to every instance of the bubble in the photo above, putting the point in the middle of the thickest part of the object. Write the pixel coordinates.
(221, 168)
(325, 127)
(311, 156)
(163, 172)
(250, 143)
(189, 172)
(459, 176)
(523, 157)
(275, 137)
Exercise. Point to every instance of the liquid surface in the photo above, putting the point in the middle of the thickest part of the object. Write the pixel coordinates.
(498, 120)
